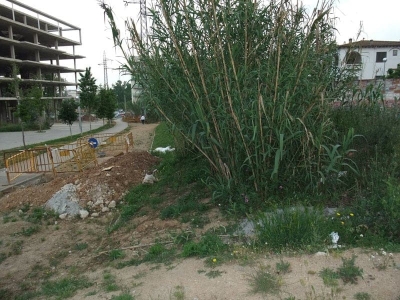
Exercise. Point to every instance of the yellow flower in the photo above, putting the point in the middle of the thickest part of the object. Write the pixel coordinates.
(338, 214)
(214, 260)
(351, 215)
(342, 223)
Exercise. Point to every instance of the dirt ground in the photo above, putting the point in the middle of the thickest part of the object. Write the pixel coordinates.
(52, 250)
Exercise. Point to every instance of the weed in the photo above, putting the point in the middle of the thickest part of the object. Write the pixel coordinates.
(264, 282)
(362, 296)
(123, 296)
(31, 230)
(179, 293)
(140, 275)
(39, 214)
(283, 267)
(348, 272)
(57, 258)
(3, 257)
(116, 254)
(381, 259)
(65, 287)
(329, 276)
(109, 282)
(16, 248)
(183, 237)
(92, 293)
(131, 262)
(158, 253)
(81, 246)
(214, 273)
(208, 245)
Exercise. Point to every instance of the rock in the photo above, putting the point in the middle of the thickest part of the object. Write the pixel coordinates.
(90, 203)
(63, 216)
(99, 202)
(321, 254)
(112, 204)
(108, 168)
(65, 201)
(20, 212)
(76, 182)
(94, 215)
(105, 209)
(83, 213)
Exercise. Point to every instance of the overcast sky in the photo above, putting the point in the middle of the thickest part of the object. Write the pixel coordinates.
(379, 18)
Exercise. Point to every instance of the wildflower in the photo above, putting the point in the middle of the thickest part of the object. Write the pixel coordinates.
(338, 214)
(361, 235)
(351, 215)
(342, 223)
(214, 260)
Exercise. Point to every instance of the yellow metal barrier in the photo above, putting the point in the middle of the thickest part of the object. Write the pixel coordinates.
(56, 159)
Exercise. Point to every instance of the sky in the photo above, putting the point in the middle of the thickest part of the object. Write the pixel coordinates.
(379, 20)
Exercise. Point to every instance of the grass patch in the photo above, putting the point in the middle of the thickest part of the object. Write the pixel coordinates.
(81, 246)
(293, 228)
(109, 283)
(178, 293)
(329, 277)
(65, 287)
(116, 254)
(362, 296)
(283, 267)
(30, 230)
(123, 296)
(214, 273)
(264, 282)
(158, 253)
(209, 244)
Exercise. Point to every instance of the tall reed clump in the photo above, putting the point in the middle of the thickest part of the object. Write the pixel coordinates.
(247, 85)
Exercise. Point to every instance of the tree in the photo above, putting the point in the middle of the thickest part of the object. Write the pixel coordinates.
(123, 93)
(88, 87)
(68, 113)
(24, 114)
(37, 104)
(107, 104)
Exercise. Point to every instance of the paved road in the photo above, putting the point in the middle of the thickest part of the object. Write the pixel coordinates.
(9, 140)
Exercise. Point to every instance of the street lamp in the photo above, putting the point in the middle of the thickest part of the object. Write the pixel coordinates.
(384, 77)
(384, 66)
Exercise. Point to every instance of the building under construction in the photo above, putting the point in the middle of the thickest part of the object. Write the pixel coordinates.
(35, 49)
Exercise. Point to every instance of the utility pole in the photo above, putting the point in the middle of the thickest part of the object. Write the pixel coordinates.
(104, 64)
(142, 18)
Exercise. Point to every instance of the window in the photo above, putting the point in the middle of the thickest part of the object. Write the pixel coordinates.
(380, 56)
(394, 52)
(353, 58)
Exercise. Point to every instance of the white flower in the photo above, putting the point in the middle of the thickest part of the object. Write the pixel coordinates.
(361, 235)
